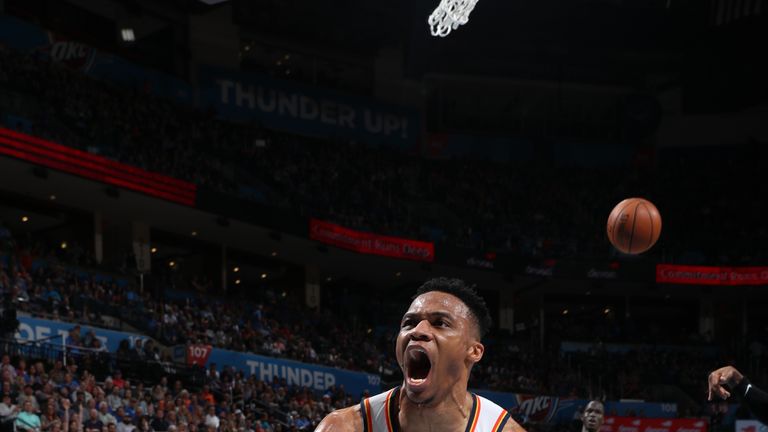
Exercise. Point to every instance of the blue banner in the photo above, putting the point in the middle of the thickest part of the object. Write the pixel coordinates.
(307, 110)
(31, 329)
(551, 409)
(315, 377)
(641, 409)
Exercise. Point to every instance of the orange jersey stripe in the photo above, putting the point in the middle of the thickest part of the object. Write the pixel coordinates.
(368, 417)
(498, 421)
(386, 412)
(477, 415)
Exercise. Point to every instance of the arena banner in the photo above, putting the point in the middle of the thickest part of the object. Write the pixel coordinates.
(368, 243)
(545, 409)
(636, 424)
(750, 426)
(29, 38)
(32, 329)
(590, 270)
(702, 275)
(641, 409)
(315, 377)
(552, 409)
(299, 108)
(94, 167)
(620, 348)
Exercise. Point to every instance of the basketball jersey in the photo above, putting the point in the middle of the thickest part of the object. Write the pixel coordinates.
(380, 414)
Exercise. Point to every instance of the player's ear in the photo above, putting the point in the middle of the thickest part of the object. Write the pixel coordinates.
(475, 351)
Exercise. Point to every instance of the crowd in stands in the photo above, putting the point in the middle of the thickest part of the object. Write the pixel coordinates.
(39, 395)
(530, 209)
(45, 285)
(284, 329)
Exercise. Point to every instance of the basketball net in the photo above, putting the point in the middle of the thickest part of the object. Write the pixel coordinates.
(449, 15)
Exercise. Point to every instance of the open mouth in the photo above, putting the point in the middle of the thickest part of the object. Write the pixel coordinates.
(417, 366)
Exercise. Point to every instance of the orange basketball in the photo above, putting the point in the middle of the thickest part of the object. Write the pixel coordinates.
(634, 225)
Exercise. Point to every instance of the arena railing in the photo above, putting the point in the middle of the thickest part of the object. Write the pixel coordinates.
(103, 363)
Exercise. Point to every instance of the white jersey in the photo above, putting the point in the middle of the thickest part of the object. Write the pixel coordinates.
(380, 414)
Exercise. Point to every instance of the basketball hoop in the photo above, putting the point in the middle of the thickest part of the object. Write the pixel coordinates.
(449, 15)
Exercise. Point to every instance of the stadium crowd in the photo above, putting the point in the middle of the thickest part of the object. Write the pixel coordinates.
(284, 329)
(44, 396)
(532, 209)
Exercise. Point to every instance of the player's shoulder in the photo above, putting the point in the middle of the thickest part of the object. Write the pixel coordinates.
(344, 420)
(512, 426)
(496, 413)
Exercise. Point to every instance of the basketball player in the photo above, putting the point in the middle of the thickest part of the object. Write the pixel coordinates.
(438, 343)
(593, 416)
(730, 377)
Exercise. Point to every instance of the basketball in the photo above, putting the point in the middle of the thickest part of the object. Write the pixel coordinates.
(634, 225)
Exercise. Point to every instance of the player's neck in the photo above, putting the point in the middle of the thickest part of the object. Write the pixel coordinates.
(450, 413)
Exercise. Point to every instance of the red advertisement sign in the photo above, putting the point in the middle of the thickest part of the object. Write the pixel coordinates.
(94, 167)
(197, 355)
(368, 243)
(701, 275)
(633, 424)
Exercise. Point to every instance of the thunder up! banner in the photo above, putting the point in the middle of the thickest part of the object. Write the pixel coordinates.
(634, 424)
(368, 243)
(315, 377)
(701, 275)
(303, 109)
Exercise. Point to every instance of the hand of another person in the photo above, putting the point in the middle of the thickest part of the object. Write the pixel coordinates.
(727, 375)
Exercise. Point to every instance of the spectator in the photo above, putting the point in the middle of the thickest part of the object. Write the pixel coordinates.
(125, 424)
(212, 421)
(28, 396)
(93, 424)
(27, 420)
(8, 409)
(159, 423)
(105, 417)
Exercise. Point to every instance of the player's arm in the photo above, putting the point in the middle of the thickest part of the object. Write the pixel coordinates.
(512, 426)
(755, 398)
(343, 420)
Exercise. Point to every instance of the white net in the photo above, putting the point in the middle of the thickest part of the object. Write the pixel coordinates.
(449, 15)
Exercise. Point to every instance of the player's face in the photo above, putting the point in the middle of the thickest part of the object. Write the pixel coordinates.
(593, 416)
(436, 346)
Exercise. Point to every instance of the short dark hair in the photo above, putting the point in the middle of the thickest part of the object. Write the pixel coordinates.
(465, 293)
(595, 401)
